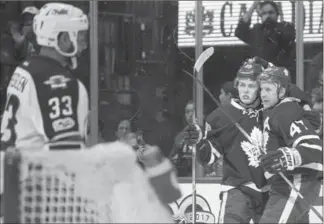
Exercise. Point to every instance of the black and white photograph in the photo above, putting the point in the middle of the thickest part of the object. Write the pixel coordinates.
(160, 111)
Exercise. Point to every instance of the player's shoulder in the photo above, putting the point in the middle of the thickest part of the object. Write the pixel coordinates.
(219, 117)
(287, 111)
(46, 71)
(217, 114)
(42, 68)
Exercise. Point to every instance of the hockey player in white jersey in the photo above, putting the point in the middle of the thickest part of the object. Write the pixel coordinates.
(46, 105)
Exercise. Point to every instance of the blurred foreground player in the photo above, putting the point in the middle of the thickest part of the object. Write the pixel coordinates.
(292, 147)
(46, 105)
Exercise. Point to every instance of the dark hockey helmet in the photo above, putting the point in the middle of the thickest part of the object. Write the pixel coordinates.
(250, 70)
(276, 75)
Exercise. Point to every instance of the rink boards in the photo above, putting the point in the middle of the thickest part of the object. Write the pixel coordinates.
(208, 203)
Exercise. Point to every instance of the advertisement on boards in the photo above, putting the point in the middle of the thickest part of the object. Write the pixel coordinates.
(208, 204)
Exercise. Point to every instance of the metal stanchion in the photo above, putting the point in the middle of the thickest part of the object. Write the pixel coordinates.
(198, 97)
(299, 15)
(94, 73)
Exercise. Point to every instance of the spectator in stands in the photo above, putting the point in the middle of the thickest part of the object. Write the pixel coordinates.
(272, 40)
(26, 44)
(181, 154)
(314, 69)
(227, 92)
(17, 42)
(123, 129)
(317, 101)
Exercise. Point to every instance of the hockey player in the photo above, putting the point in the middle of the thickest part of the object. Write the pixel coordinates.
(291, 146)
(243, 179)
(46, 105)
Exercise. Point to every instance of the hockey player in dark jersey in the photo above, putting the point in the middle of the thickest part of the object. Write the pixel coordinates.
(243, 179)
(292, 147)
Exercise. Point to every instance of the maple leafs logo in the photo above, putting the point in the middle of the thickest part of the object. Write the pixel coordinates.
(253, 153)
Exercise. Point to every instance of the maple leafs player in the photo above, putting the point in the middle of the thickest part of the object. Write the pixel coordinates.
(292, 147)
(243, 178)
(46, 105)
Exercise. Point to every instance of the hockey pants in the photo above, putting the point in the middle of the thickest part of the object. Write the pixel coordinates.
(239, 207)
(284, 206)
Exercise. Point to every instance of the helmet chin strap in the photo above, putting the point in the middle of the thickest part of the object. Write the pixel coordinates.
(253, 104)
(74, 62)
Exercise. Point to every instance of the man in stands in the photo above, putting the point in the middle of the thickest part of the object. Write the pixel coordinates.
(272, 40)
(227, 92)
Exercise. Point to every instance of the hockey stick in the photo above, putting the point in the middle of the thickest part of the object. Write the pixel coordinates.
(203, 57)
(255, 144)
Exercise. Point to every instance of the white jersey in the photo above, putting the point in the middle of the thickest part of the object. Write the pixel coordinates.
(46, 107)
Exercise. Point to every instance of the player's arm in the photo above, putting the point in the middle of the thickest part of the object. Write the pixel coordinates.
(83, 110)
(303, 146)
(18, 94)
(243, 30)
(209, 149)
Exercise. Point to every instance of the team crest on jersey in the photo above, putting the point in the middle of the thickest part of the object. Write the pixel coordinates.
(253, 153)
(57, 81)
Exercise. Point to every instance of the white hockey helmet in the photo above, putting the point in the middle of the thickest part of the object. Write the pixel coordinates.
(54, 18)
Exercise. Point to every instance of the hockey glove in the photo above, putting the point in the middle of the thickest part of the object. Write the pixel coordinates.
(192, 134)
(280, 160)
(204, 152)
(314, 118)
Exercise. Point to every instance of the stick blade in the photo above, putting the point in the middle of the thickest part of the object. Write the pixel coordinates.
(203, 58)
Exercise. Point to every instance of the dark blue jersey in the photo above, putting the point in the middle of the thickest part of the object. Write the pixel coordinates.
(241, 158)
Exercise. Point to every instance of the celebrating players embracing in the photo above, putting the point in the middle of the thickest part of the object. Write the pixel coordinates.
(292, 147)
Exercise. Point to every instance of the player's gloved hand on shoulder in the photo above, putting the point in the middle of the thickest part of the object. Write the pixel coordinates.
(296, 92)
(282, 159)
(313, 117)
